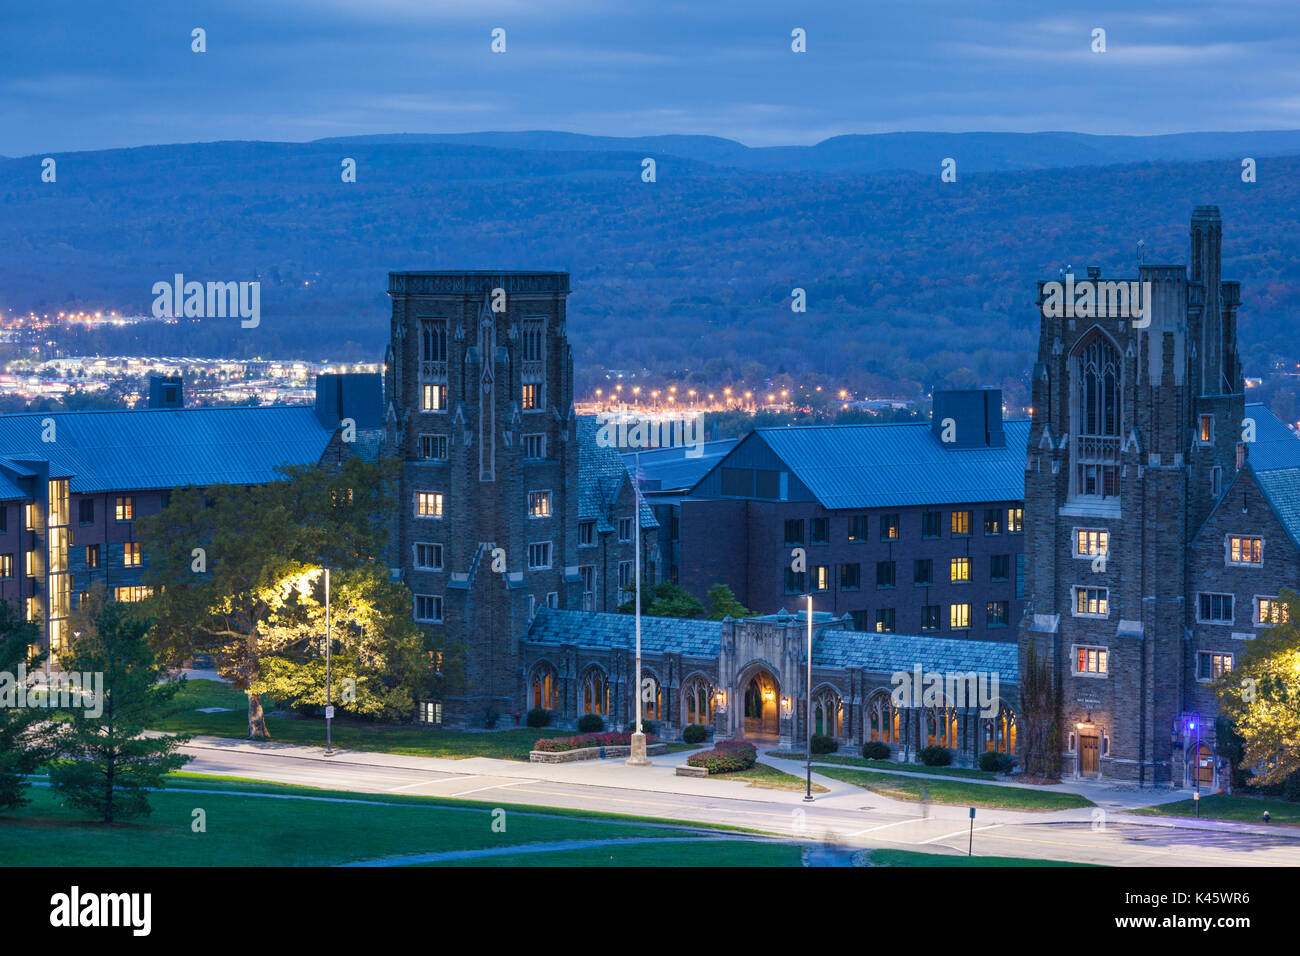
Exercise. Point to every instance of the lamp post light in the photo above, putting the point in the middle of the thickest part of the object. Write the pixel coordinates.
(301, 584)
(808, 710)
(637, 755)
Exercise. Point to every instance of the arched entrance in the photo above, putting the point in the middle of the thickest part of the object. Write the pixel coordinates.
(761, 707)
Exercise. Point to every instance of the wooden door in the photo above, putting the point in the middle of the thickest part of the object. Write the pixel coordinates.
(1088, 752)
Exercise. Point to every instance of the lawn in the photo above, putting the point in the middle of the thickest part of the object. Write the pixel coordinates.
(910, 858)
(958, 792)
(249, 830)
(849, 761)
(769, 778)
(1221, 806)
(704, 853)
(513, 743)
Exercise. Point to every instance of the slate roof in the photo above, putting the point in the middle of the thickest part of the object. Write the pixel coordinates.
(669, 469)
(1275, 445)
(601, 474)
(143, 449)
(883, 653)
(1282, 488)
(874, 466)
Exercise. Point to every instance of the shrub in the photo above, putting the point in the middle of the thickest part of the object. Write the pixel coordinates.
(991, 761)
(935, 756)
(591, 723)
(875, 750)
(822, 744)
(727, 756)
(618, 738)
(647, 726)
(694, 734)
(537, 717)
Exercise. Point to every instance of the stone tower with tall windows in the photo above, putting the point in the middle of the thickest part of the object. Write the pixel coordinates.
(1137, 420)
(479, 386)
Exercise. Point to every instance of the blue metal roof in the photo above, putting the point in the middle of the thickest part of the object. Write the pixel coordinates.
(666, 469)
(145, 449)
(875, 466)
(882, 653)
(1275, 445)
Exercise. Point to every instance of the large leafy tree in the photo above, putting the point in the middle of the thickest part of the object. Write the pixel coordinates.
(107, 764)
(1261, 698)
(1040, 714)
(666, 599)
(227, 565)
(22, 745)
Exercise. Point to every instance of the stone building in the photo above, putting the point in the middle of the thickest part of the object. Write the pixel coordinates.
(748, 679)
(1156, 545)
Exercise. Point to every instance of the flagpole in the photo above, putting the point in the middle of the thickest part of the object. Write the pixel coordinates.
(637, 757)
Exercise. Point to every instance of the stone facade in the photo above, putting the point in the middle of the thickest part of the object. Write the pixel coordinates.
(1133, 481)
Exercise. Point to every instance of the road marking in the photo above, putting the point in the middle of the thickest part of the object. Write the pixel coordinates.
(958, 833)
(885, 826)
(495, 786)
(425, 783)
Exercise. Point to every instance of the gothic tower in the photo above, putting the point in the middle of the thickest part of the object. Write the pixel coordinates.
(1137, 410)
(480, 413)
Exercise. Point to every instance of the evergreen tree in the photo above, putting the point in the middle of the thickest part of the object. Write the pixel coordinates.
(22, 745)
(723, 603)
(107, 765)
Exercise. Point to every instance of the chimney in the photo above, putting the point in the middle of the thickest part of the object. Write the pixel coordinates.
(358, 396)
(166, 391)
(968, 418)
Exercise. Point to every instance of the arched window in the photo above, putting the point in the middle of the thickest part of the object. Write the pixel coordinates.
(1096, 426)
(941, 727)
(883, 719)
(651, 709)
(595, 693)
(1000, 731)
(697, 701)
(545, 692)
(828, 713)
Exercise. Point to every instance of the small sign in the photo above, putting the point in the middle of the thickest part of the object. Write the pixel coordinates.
(329, 711)
(972, 813)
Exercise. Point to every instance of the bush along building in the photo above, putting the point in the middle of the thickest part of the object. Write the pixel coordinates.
(1161, 514)
(747, 679)
(507, 505)
(910, 528)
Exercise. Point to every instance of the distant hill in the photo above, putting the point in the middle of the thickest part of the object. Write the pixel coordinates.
(911, 282)
(882, 152)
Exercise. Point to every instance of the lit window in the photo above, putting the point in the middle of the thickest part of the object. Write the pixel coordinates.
(6, 565)
(821, 576)
(1015, 521)
(1270, 611)
(993, 521)
(959, 617)
(124, 508)
(960, 570)
(131, 554)
(131, 595)
(960, 523)
(1211, 665)
(428, 504)
(532, 397)
(1090, 542)
(1091, 660)
(433, 398)
(1091, 602)
(997, 613)
(888, 527)
(1245, 551)
(539, 504)
(885, 620)
(1207, 429)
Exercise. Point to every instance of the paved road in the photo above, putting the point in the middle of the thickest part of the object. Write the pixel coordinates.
(847, 815)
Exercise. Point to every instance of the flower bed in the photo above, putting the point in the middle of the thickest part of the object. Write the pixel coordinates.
(727, 756)
(621, 738)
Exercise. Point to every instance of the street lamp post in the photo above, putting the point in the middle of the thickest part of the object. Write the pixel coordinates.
(808, 710)
(637, 755)
(329, 694)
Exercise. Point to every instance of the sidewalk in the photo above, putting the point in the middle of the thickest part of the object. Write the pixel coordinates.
(660, 777)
